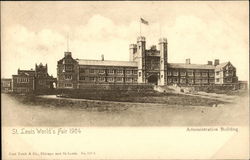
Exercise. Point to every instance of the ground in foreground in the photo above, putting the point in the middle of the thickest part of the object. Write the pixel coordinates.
(47, 112)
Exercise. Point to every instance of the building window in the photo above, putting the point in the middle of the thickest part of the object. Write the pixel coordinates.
(139, 74)
(91, 71)
(101, 71)
(6, 84)
(169, 73)
(211, 80)
(68, 77)
(217, 79)
(217, 73)
(175, 80)
(119, 79)
(197, 81)
(190, 73)
(68, 68)
(68, 85)
(190, 81)
(22, 80)
(128, 79)
(169, 80)
(175, 73)
(135, 72)
(81, 78)
(183, 73)
(204, 74)
(110, 79)
(211, 74)
(67, 61)
(204, 81)
(101, 79)
(82, 70)
(119, 71)
(197, 74)
(135, 79)
(128, 72)
(92, 79)
(110, 71)
(182, 80)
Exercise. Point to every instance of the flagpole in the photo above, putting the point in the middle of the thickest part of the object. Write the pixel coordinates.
(67, 42)
(140, 27)
(160, 26)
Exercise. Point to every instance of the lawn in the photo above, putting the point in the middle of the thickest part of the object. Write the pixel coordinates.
(127, 96)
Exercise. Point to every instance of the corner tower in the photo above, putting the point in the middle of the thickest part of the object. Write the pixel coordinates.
(163, 47)
(141, 48)
(132, 51)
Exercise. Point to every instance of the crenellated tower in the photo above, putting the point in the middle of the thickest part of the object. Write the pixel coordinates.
(132, 52)
(140, 58)
(163, 47)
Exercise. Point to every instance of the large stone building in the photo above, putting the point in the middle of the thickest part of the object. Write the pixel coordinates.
(144, 66)
(32, 80)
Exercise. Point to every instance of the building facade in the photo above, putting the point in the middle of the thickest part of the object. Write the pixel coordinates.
(144, 66)
(73, 73)
(6, 85)
(32, 80)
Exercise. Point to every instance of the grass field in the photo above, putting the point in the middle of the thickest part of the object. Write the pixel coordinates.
(19, 110)
(131, 96)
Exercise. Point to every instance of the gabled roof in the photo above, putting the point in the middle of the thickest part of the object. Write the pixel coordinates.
(222, 65)
(190, 66)
(106, 63)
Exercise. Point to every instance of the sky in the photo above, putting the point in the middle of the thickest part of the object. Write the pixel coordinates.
(36, 32)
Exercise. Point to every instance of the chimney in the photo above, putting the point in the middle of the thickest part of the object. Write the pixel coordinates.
(188, 61)
(216, 62)
(209, 62)
(102, 57)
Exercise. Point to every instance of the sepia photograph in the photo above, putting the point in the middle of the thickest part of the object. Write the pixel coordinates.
(125, 79)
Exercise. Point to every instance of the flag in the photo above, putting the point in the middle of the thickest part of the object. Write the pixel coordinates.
(144, 21)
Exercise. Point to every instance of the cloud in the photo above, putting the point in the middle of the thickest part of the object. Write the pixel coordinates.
(188, 37)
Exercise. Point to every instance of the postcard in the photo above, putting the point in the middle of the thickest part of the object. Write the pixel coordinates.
(125, 80)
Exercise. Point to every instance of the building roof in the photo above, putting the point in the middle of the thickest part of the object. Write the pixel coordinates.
(190, 66)
(221, 65)
(106, 63)
(6, 79)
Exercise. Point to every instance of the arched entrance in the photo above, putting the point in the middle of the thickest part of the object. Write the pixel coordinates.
(153, 79)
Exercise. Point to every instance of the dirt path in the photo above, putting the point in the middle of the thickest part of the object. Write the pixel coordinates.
(212, 96)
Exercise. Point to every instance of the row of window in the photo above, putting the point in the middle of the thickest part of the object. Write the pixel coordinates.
(197, 74)
(227, 73)
(6, 84)
(108, 79)
(22, 80)
(175, 80)
(226, 80)
(109, 71)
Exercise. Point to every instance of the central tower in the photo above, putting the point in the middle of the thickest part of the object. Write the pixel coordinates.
(141, 47)
(163, 60)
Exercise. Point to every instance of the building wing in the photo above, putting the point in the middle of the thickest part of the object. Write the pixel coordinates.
(190, 66)
(106, 63)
